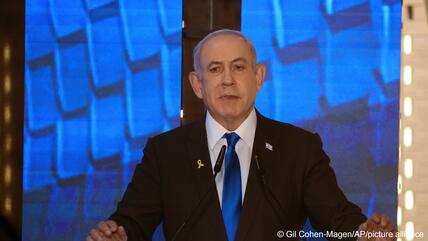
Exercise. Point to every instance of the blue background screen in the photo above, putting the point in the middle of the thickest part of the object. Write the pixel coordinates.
(104, 75)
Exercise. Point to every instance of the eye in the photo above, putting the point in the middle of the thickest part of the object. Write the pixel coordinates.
(215, 69)
(239, 67)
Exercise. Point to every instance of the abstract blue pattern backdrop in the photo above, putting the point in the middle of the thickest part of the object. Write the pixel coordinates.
(103, 75)
(334, 68)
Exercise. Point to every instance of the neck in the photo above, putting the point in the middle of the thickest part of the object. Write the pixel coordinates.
(231, 124)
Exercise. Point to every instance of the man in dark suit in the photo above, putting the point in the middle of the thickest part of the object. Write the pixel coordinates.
(273, 177)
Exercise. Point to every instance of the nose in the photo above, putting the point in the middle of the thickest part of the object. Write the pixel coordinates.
(228, 77)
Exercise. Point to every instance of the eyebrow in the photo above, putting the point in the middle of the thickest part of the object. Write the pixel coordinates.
(240, 59)
(233, 61)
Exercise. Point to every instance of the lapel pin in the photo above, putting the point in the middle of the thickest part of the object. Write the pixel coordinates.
(200, 164)
(268, 146)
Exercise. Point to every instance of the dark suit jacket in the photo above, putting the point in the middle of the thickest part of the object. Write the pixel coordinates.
(167, 186)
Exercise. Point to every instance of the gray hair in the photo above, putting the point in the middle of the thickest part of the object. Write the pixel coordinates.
(198, 48)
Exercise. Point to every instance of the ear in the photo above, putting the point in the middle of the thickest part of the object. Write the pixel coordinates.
(196, 84)
(260, 75)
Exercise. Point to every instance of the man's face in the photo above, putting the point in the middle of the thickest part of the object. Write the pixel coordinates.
(229, 79)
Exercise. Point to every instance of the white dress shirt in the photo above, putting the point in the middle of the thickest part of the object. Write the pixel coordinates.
(243, 147)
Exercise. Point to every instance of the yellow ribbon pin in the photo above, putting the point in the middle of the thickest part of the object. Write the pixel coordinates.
(200, 164)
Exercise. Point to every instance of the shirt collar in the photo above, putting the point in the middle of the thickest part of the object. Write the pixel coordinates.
(246, 130)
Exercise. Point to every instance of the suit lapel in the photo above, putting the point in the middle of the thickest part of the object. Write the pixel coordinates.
(263, 138)
(200, 158)
(200, 163)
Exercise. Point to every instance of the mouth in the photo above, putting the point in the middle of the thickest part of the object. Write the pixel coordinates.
(229, 97)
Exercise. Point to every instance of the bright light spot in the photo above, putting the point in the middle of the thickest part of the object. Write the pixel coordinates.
(408, 106)
(7, 84)
(407, 75)
(181, 114)
(407, 44)
(408, 200)
(408, 168)
(399, 150)
(399, 216)
(8, 145)
(410, 231)
(7, 114)
(6, 53)
(8, 205)
(407, 136)
(7, 175)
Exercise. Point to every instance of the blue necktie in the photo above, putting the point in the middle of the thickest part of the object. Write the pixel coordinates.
(232, 194)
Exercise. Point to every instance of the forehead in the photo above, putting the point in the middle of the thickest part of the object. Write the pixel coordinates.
(224, 48)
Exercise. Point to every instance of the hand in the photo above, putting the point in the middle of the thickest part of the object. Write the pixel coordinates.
(380, 225)
(107, 231)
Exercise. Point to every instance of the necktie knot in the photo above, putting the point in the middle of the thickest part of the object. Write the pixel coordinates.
(232, 138)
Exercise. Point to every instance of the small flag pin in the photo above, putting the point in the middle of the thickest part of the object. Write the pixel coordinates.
(268, 146)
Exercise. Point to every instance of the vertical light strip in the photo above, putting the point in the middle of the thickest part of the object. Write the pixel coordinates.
(399, 184)
(399, 216)
(7, 114)
(408, 103)
(399, 150)
(279, 23)
(329, 6)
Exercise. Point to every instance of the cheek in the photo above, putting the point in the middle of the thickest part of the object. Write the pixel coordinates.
(209, 96)
(251, 95)
(252, 89)
(209, 91)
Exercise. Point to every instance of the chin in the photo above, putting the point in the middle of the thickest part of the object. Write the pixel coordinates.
(231, 114)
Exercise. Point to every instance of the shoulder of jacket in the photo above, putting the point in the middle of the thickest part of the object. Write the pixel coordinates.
(283, 128)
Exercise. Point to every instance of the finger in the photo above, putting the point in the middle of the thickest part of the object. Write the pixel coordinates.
(122, 233)
(103, 227)
(371, 225)
(88, 238)
(363, 226)
(376, 218)
(395, 231)
(112, 224)
(389, 226)
(385, 221)
(116, 237)
(96, 235)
